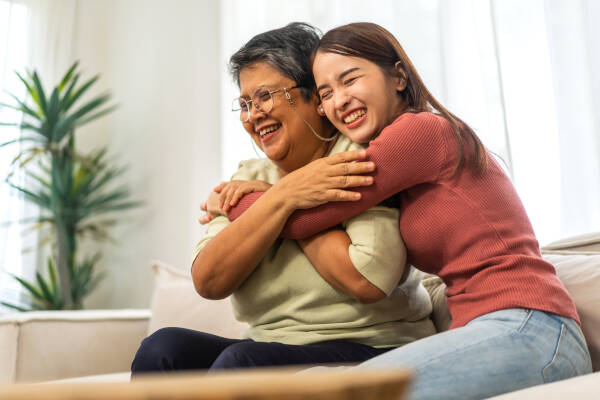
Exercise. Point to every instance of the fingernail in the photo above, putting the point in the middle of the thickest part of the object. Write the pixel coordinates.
(369, 179)
(356, 196)
(371, 165)
(362, 153)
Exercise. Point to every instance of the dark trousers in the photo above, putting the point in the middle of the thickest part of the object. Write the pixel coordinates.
(171, 349)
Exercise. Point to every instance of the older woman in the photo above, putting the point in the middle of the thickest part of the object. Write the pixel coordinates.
(306, 302)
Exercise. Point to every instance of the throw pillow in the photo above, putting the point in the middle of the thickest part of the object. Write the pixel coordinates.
(580, 273)
(176, 303)
(437, 292)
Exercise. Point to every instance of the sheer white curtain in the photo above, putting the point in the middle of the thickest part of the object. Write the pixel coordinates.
(34, 34)
(519, 72)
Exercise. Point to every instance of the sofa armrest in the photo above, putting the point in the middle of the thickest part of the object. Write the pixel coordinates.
(588, 243)
(51, 345)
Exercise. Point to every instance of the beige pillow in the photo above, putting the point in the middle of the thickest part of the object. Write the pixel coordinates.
(580, 273)
(437, 292)
(176, 303)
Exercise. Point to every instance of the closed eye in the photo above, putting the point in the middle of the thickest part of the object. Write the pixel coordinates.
(264, 96)
(326, 94)
(350, 81)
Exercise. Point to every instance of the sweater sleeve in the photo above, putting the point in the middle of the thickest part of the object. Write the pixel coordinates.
(410, 151)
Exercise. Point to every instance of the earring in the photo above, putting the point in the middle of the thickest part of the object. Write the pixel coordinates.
(321, 110)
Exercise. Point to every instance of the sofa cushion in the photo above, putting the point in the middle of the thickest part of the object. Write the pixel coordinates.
(437, 292)
(176, 303)
(91, 342)
(584, 387)
(9, 336)
(580, 273)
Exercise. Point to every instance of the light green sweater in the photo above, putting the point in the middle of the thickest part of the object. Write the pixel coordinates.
(285, 300)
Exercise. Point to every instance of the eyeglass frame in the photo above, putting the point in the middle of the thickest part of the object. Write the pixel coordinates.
(257, 107)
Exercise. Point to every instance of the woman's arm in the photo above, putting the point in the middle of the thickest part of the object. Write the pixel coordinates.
(229, 257)
(366, 259)
(412, 150)
(225, 261)
(328, 253)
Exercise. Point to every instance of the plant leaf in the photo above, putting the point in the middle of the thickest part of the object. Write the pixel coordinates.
(32, 220)
(80, 91)
(53, 111)
(25, 108)
(34, 95)
(25, 126)
(21, 107)
(64, 101)
(39, 179)
(65, 80)
(34, 291)
(39, 90)
(67, 124)
(40, 199)
(97, 115)
(21, 139)
(52, 276)
(14, 307)
(48, 297)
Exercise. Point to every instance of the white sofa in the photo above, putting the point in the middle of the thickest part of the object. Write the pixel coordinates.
(100, 344)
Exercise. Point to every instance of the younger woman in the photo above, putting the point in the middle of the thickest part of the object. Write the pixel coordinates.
(514, 324)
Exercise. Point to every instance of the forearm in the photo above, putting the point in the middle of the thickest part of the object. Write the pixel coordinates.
(303, 224)
(229, 258)
(411, 151)
(328, 252)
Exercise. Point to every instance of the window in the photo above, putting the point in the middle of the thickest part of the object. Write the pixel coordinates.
(13, 56)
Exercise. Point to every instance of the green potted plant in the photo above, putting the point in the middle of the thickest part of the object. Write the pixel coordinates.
(75, 192)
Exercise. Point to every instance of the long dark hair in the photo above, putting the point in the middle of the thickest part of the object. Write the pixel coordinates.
(374, 43)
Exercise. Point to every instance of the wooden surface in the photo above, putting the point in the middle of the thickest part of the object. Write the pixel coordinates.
(258, 384)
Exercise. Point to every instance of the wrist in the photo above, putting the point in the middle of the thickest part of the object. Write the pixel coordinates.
(281, 198)
(279, 201)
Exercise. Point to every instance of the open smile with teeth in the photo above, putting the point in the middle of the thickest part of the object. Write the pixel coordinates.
(268, 129)
(354, 116)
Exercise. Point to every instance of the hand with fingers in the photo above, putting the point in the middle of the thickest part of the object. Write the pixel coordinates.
(211, 208)
(326, 179)
(231, 192)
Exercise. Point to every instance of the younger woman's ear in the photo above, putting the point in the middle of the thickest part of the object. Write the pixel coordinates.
(400, 77)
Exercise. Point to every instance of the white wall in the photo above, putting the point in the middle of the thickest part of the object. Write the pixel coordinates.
(160, 59)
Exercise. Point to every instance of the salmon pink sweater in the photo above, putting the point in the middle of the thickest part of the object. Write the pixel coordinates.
(471, 230)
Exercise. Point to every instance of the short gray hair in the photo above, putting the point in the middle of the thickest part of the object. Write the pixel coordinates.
(288, 49)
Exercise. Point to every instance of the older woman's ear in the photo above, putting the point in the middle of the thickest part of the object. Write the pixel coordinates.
(400, 77)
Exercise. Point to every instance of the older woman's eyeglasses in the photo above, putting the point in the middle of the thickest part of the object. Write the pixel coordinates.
(262, 101)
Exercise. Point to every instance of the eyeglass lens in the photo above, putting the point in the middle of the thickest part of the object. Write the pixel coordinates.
(262, 100)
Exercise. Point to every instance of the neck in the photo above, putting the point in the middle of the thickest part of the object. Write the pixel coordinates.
(319, 151)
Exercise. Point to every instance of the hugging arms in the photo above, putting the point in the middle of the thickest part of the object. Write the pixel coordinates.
(344, 295)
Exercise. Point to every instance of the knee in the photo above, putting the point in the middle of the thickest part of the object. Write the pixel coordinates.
(156, 351)
(239, 355)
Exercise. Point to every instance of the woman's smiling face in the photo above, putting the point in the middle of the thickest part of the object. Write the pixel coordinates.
(358, 97)
(280, 133)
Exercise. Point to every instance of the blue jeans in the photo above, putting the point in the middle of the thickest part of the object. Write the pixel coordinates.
(496, 353)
